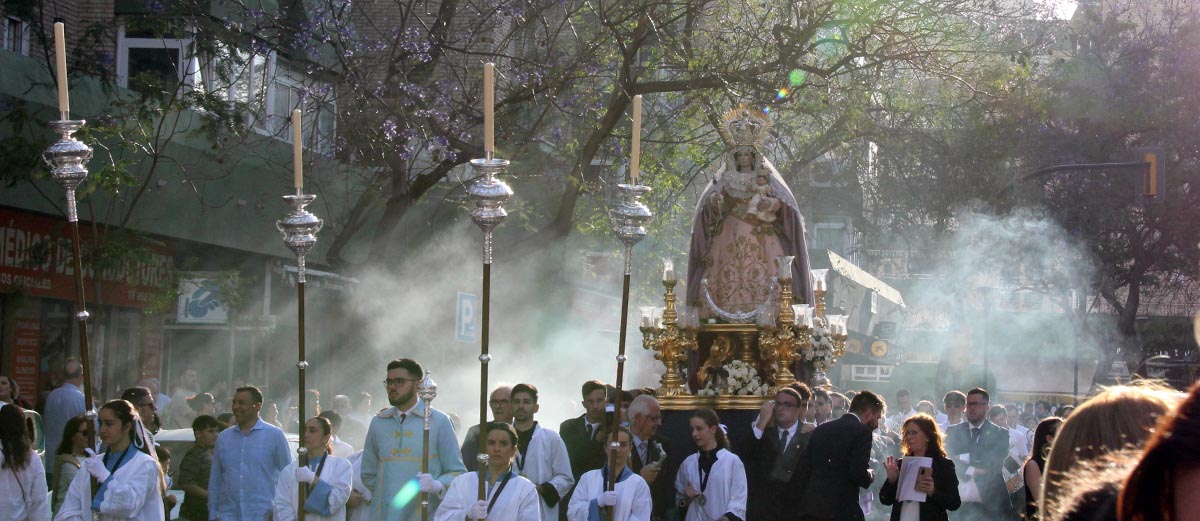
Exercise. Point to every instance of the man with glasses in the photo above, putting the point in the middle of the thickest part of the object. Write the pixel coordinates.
(650, 456)
(954, 406)
(143, 400)
(782, 440)
(498, 402)
(391, 460)
(978, 448)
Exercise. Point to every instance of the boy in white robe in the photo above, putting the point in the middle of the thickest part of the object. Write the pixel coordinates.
(509, 497)
(630, 500)
(541, 454)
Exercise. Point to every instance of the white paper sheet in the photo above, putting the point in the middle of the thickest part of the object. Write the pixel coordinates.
(906, 487)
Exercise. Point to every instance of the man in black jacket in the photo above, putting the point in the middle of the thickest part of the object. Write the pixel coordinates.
(773, 457)
(651, 456)
(837, 462)
(978, 448)
(583, 435)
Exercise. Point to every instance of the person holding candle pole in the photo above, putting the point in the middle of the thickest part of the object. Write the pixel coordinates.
(507, 497)
(329, 478)
(629, 500)
(391, 460)
(541, 454)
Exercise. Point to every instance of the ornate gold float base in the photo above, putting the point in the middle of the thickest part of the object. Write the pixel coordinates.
(689, 402)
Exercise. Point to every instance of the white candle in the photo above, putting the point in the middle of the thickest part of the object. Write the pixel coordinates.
(636, 151)
(668, 270)
(297, 154)
(489, 107)
(60, 57)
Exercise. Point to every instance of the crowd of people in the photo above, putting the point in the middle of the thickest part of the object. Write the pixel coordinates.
(1129, 452)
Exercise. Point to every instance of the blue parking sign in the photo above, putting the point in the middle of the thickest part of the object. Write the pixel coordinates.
(466, 326)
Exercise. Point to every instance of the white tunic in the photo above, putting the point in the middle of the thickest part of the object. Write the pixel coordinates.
(517, 502)
(132, 493)
(23, 492)
(546, 461)
(363, 511)
(338, 474)
(633, 497)
(726, 490)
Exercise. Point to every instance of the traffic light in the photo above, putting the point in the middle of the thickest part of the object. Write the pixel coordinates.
(1153, 183)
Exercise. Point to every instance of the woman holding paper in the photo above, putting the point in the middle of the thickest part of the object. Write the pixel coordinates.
(922, 486)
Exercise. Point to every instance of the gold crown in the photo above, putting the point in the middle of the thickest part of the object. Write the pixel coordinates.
(744, 127)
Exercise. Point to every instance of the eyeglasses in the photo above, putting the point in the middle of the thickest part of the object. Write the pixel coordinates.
(398, 381)
(497, 402)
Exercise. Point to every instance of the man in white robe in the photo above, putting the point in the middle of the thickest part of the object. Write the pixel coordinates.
(542, 455)
(630, 500)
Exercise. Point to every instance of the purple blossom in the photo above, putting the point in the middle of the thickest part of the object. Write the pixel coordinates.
(389, 130)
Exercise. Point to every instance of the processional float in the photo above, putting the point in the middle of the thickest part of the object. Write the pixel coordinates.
(299, 229)
(733, 360)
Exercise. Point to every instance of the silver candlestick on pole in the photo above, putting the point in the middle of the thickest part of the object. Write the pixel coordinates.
(629, 221)
(427, 390)
(299, 229)
(68, 158)
(488, 196)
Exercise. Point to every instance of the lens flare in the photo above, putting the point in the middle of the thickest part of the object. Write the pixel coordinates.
(796, 77)
(783, 93)
(406, 494)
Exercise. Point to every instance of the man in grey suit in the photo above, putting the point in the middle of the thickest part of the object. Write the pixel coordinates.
(978, 448)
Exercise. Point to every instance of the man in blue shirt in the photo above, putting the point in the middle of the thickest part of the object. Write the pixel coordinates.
(246, 462)
(64, 403)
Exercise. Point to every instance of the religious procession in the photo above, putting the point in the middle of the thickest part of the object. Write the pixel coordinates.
(911, 285)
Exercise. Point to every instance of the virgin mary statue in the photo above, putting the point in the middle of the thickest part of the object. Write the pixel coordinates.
(745, 219)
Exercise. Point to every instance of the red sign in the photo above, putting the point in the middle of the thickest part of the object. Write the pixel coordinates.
(35, 259)
(27, 340)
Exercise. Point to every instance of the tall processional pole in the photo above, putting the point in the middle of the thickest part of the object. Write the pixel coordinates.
(68, 158)
(299, 229)
(488, 196)
(629, 220)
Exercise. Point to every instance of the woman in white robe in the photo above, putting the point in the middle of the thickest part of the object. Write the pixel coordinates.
(711, 484)
(630, 500)
(509, 497)
(329, 478)
(130, 479)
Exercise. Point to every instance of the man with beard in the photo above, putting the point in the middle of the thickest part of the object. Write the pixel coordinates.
(837, 462)
(583, 435)
(542, 456)
(391, 461)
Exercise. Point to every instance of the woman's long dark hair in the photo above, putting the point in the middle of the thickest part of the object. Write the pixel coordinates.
(67, 445)
(709, 417)
(14, 438)
(1045, 428)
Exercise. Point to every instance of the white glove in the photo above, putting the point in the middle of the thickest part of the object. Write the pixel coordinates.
(478, 510)
(607, 499)
(95, 466)
(430, 485)
(305, 474)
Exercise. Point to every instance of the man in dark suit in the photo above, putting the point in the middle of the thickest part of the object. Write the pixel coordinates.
(978, 448)
(651, 456)
(584, 435)
(772, 459)
(837, 462)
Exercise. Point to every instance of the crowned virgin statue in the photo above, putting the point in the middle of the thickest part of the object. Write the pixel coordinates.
(745, 219)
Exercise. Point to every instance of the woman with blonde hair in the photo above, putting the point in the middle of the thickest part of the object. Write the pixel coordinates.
(923, 439)
(1117, 418)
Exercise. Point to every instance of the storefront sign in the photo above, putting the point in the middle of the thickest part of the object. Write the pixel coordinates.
(200, 300)
(35, 259)
(27, 342)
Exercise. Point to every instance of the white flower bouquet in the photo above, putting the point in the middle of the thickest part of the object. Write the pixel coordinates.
(743, 380)
(821, 354)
